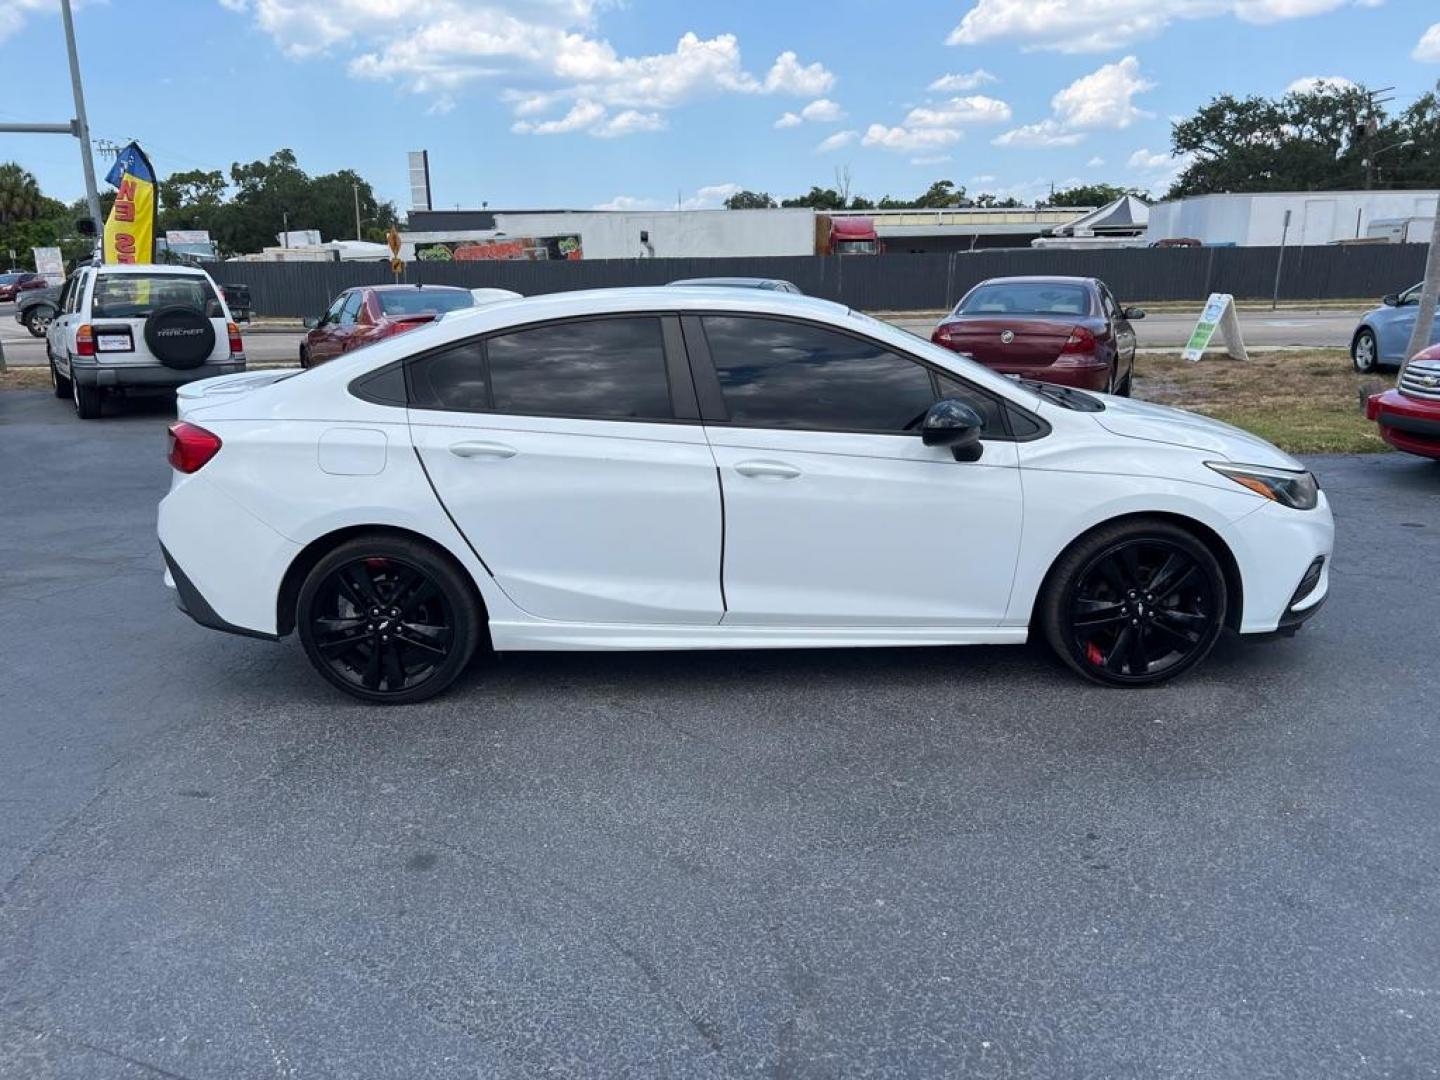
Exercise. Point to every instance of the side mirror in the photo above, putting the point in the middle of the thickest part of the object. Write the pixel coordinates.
(1390, 300)
(950, 422)
(310, 322)
(1132, 314)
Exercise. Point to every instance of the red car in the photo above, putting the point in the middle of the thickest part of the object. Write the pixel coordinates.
(370, 313)
(13, 284)
(1409, 415)
(1065, 330)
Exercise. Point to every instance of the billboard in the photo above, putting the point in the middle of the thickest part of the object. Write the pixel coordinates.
(49, 263)
(532, 248)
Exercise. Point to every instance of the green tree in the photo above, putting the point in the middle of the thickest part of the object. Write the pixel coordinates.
(939, 195)
(192, 200)
(1325, 139)
(750, 200)
(1093, 195)
(20, 197)
(818, 198)
(989, 201)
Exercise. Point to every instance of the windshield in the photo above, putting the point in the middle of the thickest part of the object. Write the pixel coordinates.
(424, 301)
(9, 279)
(1026, 298)
(854, 247)
(135, 296)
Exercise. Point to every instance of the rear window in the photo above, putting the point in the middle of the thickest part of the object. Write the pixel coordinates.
(135, 296)
(9, 279)
(1026, 298)
(423, 301)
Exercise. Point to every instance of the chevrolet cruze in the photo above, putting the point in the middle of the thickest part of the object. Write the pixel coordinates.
(702, 468)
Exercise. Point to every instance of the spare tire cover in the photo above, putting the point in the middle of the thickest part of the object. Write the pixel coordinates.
(180, 336)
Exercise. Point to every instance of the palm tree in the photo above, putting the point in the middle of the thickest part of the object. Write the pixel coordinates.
(20, 198)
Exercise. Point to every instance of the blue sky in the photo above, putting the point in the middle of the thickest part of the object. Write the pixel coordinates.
(579, 103)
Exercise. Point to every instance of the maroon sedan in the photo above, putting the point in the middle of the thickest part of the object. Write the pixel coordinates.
(370, 313)
(1065, 330)
(13, 284)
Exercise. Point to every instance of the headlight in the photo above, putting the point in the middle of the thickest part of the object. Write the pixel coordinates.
(1297, 490)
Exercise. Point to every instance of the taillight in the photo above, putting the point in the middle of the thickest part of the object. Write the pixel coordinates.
(85, 341)
(1081, 340)
(191, 446)
(237, 343)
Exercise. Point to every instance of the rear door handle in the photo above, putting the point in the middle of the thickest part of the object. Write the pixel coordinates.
(767, 470)
(493, 450)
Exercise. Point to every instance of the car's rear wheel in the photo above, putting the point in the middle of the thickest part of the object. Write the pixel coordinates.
(304, 357)
(88, 399)
(37, 321)
(1123, 390)
(1364, 351)
(388, 620)
(58, 383)
(1134, 604)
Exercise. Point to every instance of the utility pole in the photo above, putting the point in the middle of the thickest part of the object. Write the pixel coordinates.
(1371, 127)
(356, 189)
(1425, 317)
(285, 228)
(78, 127)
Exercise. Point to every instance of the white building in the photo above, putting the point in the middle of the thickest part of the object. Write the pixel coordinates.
(1258, 220)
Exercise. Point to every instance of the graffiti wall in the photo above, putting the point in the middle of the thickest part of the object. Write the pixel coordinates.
(532, 248)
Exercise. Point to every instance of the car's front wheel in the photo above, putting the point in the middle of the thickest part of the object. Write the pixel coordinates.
(1364, 351)
(38, 319)
(1134, 603)
(388, 620)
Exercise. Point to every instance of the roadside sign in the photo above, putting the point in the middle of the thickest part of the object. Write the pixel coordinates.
(49, 263)
(397, 266)
(1219, 314)
(393, 239)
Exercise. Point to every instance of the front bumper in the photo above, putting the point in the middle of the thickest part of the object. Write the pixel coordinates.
(1405, 423)
(1276, 548)
(107, 376)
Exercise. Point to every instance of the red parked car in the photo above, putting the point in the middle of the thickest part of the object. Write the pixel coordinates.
(369, 313)
(1065, 330)
(1409, 415)
(13, 284)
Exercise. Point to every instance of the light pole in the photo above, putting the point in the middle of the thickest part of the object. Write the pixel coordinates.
(356, 189)
(1370, 161)
(79, 126)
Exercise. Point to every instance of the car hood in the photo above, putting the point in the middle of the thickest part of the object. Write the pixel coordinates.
(1159, 423)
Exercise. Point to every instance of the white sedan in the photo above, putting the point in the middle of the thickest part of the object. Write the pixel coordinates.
(704, 468)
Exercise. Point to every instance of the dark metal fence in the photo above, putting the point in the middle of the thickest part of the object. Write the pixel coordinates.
(887, 282)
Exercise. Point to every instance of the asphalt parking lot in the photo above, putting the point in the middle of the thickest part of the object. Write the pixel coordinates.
(909, 863)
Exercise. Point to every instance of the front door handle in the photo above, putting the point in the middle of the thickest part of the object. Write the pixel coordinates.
(495, 450)
(767, 470)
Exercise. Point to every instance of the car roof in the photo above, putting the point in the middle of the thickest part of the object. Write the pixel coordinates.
(740, 282)
(412, 288)
(647, 298)
(147, 268)
(1037, 279)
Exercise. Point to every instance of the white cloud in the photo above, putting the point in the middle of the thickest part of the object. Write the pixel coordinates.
(1149, 162)
(710, 197)
(1427, 51)
(931, 159)
(1096, 162)
(629, 122)
(837, 141)
(1104, 98)
(1311, 84)
(437, 47)
(909, 140)
(819, 111)
(964, 80)
(822, 111)
(1078, 26)
(13, 13)
(984, 178)
(959, 110)
(583, 114)
(1044, 135)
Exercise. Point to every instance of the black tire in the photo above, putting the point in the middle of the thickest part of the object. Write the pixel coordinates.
(388, 620)
(1365, 352)
(1100, 615)
(1123, 390)
(37, 320)
(58, 383)
(179, 336)
(304, 358)
(88, 400)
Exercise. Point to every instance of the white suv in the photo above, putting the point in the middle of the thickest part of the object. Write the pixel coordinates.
(123, 326)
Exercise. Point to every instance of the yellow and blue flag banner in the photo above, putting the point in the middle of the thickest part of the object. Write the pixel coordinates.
(130, 230)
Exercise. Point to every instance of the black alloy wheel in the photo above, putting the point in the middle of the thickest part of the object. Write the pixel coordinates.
(388, 621)
(1135, 605)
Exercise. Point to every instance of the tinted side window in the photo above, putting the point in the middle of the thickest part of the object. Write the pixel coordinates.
(602, 368)
(792, 375)
(453, 379)
(351, 308)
